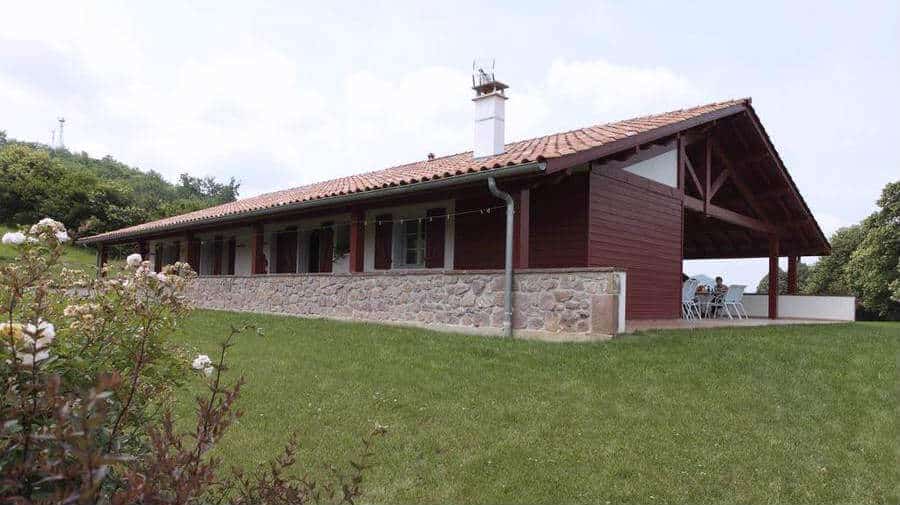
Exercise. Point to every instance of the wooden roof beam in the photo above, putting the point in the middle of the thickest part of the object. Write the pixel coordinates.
(729, 216)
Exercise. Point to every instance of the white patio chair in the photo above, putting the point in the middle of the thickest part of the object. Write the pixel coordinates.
(690, 309)
(732, 300)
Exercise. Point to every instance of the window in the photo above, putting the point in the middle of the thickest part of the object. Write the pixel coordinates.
(412, 243)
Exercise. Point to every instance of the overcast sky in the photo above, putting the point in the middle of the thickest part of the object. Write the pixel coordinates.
(283, 94)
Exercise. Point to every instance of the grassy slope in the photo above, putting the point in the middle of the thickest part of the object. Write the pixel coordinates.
(74, 257)
(787, 414)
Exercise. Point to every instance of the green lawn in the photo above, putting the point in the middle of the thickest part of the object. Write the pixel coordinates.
(804, 414)
(75, 257)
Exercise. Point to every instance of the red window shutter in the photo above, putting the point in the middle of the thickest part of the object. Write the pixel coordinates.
(217, 255)
(326, 248)
(232, 254)
(384, 235)
(435, 224)
(158, 258)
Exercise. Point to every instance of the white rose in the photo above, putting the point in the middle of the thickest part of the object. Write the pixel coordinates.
(14, 238)
(133, 260)
(62, 236)
(201, 362)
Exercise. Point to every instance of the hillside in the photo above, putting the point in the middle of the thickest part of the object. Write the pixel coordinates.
(93, 195)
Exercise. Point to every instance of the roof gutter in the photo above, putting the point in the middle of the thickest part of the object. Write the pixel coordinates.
(444, 182)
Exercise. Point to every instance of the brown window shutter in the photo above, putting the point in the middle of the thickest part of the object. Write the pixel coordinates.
(384, 235)
(232, 254)
(217, 255)
(435, 224)
(158, 258)
(326, 248)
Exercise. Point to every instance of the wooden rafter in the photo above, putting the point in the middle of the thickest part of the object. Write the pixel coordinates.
(717, 184)
(739, 182)
(727, 215)
(690, 170)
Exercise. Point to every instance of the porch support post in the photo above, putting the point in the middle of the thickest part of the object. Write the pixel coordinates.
(357, 241)
(523, 229)
(102, 257)
(257, 258)
(773, 276)
(793, 286)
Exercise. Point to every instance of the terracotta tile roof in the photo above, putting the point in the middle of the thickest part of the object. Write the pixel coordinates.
(549, 147)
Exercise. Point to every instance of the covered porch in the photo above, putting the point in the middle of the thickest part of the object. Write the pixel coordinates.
(740, 202)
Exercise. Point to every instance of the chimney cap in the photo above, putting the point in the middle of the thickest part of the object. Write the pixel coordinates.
(489, 87)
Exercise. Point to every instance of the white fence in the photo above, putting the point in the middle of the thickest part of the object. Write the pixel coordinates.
(833, 308)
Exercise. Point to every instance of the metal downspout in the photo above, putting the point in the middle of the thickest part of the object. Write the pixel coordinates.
(508, 264)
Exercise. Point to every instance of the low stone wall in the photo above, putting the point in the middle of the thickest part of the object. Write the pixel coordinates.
(548, 301)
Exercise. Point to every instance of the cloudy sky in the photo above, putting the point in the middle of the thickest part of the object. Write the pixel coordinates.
(283, 94)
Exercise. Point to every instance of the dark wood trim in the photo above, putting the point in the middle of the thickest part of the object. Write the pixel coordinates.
(690, 169)
(792, 187)
(638, 155)
(707, 159)
(729, 216)
(717, 184)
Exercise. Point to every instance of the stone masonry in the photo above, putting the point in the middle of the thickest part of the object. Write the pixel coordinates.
(559, 301)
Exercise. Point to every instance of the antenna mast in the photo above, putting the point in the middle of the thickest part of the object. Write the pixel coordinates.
(62, 122)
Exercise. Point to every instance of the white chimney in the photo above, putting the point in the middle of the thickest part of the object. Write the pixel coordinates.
(490, 113)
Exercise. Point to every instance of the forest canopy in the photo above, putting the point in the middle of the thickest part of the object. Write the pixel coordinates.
(94, 195)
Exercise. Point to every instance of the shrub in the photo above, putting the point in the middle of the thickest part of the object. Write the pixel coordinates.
(86, 375)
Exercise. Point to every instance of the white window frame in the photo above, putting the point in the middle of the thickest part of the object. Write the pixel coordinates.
(400, 244)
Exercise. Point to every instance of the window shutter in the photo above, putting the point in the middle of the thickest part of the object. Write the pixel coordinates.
(326, 248)
(435, 224)
(217, 255)
(384, 234)
(158, 258)
(232, 254)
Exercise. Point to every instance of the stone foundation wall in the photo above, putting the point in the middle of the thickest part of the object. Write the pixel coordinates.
(550, 301)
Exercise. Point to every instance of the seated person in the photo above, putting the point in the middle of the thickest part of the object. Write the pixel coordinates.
(721, 287)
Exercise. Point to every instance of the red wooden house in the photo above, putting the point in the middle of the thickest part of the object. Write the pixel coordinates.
(639, 195)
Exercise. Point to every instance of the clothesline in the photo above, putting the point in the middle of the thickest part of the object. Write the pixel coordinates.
(340, 224)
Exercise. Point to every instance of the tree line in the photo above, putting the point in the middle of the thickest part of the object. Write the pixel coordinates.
(864, 262)
(93, 195)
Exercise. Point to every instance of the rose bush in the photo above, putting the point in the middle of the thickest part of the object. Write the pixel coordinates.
(87, 372)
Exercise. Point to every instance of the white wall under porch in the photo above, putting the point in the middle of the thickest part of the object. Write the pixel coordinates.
(830, 308)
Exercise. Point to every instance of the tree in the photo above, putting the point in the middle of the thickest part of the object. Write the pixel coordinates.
(208, 188)
(865, 260)
(802, 274)
(826, 277)
(93, 195)
(872, 269)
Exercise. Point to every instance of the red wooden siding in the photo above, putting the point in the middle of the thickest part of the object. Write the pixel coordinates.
(559, 220)
(637, 226)
(479, 238)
